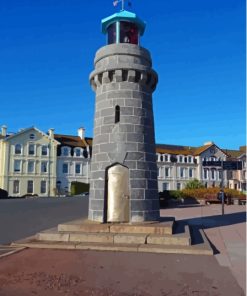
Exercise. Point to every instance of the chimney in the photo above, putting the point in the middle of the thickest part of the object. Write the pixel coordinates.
(4, 130)
(51, 133)
(208, 143)
(81, 132)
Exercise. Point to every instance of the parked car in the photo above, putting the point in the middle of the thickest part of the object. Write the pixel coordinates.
(85, 193)
(3, 193)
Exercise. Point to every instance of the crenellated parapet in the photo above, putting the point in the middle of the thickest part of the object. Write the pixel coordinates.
(123, 62)
(146, 79)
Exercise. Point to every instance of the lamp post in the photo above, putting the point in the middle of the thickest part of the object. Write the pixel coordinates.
(49, 169)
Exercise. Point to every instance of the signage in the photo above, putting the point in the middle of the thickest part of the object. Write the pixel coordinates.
(227, 165)
(232, 165)
(212, 163)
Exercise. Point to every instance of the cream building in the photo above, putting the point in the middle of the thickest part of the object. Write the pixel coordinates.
(32, 162)
(28, 162)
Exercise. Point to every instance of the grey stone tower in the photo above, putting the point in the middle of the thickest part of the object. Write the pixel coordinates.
(123, 186)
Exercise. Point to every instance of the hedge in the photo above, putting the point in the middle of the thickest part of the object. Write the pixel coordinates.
(201, 192)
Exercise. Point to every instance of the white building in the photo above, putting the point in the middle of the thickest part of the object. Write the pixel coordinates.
(73, 160)
(179, 164)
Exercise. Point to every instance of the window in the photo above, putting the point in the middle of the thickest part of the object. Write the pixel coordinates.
(44, 167)
(190, 173)
(182, 172)
(161, 157)
(17, 165)
(205, 173)
(128, 33)
(43, 187)
(167, 172)
(77, 152)
(213, 174)
(180, 158)
(65, 151)
(31, 149)
(166, 158)
(185, 159)
(65, 168)
(178, 186)
(18, 149)
(189, 159)
(165, 186)
(220, 175)
(16, 186)
(30, 186)
(111, 33)
(117, 114)
(30, 166)
(78, 168)
(44, 150)
(32, 136)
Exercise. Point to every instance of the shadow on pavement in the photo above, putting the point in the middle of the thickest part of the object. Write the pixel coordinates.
(217, 220)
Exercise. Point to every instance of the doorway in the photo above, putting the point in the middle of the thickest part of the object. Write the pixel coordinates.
(118, 194)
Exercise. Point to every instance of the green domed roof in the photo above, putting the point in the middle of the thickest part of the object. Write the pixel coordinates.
(123, 15)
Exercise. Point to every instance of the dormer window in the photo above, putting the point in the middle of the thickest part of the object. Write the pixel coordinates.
(32, 136)
(77, 152)
(65, 151)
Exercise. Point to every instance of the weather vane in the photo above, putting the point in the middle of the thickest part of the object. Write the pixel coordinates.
(116, 2)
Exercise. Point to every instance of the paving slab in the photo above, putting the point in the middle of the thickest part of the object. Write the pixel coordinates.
(226, 232)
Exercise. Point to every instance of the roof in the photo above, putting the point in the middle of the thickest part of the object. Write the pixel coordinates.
(174, 149)
(234, 153)
(29, 129)
(73, 141)
(183, 150)
(123, 15)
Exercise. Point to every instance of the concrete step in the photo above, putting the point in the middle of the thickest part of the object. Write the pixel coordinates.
(149, 237)
(201, 249)
(115, 238)
(137, 228)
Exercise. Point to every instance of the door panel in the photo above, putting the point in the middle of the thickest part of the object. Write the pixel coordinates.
(118, 194)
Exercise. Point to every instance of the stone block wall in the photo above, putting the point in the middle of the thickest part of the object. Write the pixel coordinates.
(123, 77)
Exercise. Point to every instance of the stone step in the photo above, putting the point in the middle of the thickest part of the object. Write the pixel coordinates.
(159, 228)
(202, 249)
(116, 238)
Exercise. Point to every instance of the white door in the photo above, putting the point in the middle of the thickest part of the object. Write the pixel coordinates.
(118, 194)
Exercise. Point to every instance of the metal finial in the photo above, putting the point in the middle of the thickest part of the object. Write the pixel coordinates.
(115, 3)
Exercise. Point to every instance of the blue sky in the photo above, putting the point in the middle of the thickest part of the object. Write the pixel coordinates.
(47, 49)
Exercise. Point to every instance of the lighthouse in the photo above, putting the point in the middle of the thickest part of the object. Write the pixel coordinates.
(123, 184)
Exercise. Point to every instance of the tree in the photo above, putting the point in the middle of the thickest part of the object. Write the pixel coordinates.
(194, 184)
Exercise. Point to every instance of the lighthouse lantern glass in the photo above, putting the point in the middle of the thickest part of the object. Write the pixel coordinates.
(111, 30)
(128, 33)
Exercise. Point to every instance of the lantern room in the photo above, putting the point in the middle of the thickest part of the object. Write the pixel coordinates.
(123, 27)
